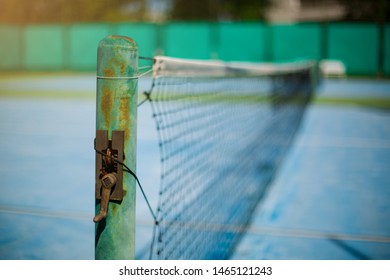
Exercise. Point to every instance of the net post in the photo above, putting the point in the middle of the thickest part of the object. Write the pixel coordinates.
(116, 110)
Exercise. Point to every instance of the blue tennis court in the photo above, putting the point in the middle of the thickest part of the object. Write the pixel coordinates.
(329, 200)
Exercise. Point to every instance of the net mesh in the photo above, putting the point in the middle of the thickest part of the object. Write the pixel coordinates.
(223, 130)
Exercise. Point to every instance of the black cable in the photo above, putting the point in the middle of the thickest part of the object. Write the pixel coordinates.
(146, 58)
(147, 98)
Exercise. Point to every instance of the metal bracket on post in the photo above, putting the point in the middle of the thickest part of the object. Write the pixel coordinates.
(108, 173)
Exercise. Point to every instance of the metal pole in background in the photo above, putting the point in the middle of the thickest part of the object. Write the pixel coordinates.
(116, 110)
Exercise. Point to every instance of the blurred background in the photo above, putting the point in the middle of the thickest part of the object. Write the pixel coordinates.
(63, 35)
(330, 198)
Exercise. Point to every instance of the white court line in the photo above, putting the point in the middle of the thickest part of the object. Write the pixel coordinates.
(343, 142)
(46, 213)
(223, 228)
(282, 232)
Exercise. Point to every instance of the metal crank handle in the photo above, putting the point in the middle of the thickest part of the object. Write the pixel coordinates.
(108, 182)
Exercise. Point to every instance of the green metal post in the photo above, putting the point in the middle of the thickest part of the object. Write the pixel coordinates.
(116, 109)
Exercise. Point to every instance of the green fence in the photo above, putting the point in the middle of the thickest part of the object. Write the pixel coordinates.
(357, 45)
(364, 48)
(296, 42)
(187, 40)
(386, 48)
(82, 42)
(10, 47)
(44, 47)
(241, 41)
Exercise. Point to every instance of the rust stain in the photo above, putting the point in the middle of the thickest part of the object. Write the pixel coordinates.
(123, 67)
(124, 115)
(123, 37)
(118, 64)
(106, 105)
(109, 72)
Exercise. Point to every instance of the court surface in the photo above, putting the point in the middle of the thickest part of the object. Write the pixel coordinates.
(329, 200)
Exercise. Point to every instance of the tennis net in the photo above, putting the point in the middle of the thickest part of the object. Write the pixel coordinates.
(223, 130)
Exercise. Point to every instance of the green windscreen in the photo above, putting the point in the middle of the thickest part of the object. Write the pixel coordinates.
(73, 46)
(10, 47)
(83, 39)
(386, 49)
(357, 45)
(187, 40)
(44, 47)
(241, 42)
(296, 42)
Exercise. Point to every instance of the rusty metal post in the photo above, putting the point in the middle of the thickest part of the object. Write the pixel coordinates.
(116, 110)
